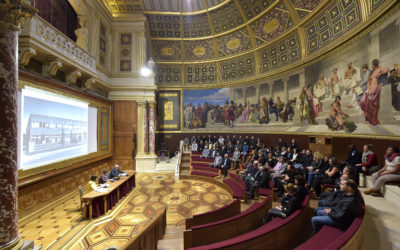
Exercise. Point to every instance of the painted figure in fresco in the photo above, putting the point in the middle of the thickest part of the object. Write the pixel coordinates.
(231, 113)
(272, 108)
(305, 109)
(206, 108)
(188, 114)
(334, 84)
(394, 80)
(288, 113)
(370, 101)
(245, 114)
(314, 102)
(349, 81)
(211, 116)
(279, 105)
(225, 113)
(320, 86)
(363, 84)
(336, 117)
(253, 114)
(264, 116)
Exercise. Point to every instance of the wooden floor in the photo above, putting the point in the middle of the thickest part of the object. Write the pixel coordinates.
(61, 226)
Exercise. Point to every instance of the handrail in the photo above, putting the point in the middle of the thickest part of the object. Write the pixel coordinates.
(179, 160)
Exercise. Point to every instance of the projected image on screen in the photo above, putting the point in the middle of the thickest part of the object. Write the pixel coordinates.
(53, 128)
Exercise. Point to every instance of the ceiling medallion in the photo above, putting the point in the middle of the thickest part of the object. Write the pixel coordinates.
(167, 51)
(199, 51)
(271, 26)
(233, 43)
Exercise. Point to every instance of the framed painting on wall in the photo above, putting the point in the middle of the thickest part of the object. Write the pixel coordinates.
(169, 110)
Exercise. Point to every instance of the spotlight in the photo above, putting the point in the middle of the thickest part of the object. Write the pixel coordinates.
(145, 71)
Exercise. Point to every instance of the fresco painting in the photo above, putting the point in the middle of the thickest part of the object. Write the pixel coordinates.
(354, 90)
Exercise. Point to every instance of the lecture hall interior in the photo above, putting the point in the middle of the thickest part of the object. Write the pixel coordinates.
(199, 124)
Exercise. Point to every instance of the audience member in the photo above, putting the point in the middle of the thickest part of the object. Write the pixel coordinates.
(206, 153)
(342, 212)
(226, 164)
(368, 164)
(217, 161)
(194, 146)
(315, 168)
(261, 180)
(329, 177)
(390, 172)
(293, 203)
(354, 156)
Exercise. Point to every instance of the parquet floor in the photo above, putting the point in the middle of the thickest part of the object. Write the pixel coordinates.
(62, 227)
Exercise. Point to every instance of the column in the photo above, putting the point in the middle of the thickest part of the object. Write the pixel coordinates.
(152, 134)
(140, 48)
(145, 130)
(244, 95)
(285, 90)
(13, 17)
(270, 89)
(373, 47)
(257, 93)
(141, 105)
(302, 80)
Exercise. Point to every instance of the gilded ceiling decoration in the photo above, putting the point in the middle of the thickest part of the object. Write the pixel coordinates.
(208, 42)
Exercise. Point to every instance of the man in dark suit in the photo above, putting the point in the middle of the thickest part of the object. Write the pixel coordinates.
(354, 156)
(261, 181)
(226, 164)
(115, 171)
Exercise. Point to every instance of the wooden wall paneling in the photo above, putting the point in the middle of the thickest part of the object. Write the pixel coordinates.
(124, 131)
(35, 196)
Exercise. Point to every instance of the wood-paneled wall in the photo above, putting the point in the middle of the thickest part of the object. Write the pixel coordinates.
(124, 131)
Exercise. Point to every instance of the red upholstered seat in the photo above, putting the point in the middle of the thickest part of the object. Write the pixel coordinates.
(216, 210)
(204, 168)
(238, 180)
(208, 174)
(238, 191)
(205, 164)
(320, 240)
(196, 153)
(197, 158)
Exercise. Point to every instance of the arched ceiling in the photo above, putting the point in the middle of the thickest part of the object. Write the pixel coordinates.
(222, 42)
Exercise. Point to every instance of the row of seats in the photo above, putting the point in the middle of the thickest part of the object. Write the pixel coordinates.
(331, 238)
(277, 234)
(234, 226)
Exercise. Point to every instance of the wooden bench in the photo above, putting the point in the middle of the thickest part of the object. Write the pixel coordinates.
(228, 228)
(279, 234)
(224, 212)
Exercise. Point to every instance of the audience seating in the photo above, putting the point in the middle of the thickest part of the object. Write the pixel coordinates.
(231, 227)
(204, 173)
(277, 234)
(238, 191)
(331, 238)
(224, 212)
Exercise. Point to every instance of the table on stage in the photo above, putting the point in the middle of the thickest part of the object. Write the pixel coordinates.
(100, 202)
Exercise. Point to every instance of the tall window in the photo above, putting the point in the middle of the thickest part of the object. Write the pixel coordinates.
(60, 14)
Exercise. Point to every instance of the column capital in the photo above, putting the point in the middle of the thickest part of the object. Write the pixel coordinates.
(141, 104)
(285, 80)
(15, 12)
(152, 103)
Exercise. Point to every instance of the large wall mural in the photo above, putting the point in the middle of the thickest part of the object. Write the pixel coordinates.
(354, 90)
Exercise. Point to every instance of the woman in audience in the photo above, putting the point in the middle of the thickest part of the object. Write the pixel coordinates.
(315, 168)
(329, 177)
(194, 146)
(295, 156)
(390, 172)
(271, 161)
(103, 178)
(206, 153)
(92, 185)
(293, 203)
(368, 165)
(287, 177)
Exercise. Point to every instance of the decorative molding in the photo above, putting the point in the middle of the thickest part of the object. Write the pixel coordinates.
(73, 76)
(50, 68)
(16, 12)
(89, 84)
(25, 54)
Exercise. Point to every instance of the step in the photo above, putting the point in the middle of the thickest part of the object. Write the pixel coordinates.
(391, 193)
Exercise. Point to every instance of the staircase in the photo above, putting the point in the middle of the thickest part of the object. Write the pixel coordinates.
(185, 165)
(173, 238)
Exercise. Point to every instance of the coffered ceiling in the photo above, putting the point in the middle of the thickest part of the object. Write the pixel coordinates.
(208, 42)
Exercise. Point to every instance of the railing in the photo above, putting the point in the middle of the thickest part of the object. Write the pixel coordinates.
(179, 160)
(38, 34)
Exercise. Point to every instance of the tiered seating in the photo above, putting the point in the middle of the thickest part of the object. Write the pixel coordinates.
(239, 191)
(224, 212)
(205, 171)
(197, 158)
(277, 234)
(330, 238)
(231, 227)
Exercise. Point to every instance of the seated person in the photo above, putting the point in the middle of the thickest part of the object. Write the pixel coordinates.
(236, 158)
(206, 153)
(194, 146)
(293, 203)
(104, 177)
(368, 165)
(342, 214)
(245, 150)
(115, 171)
(279, 169)
(186, 144)
(226, 164)
(249, 172)
(92, 185)
(315, 168)
(329, 177)
(390, 172)
(217, 161)
(287, 177)
(261, 180)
